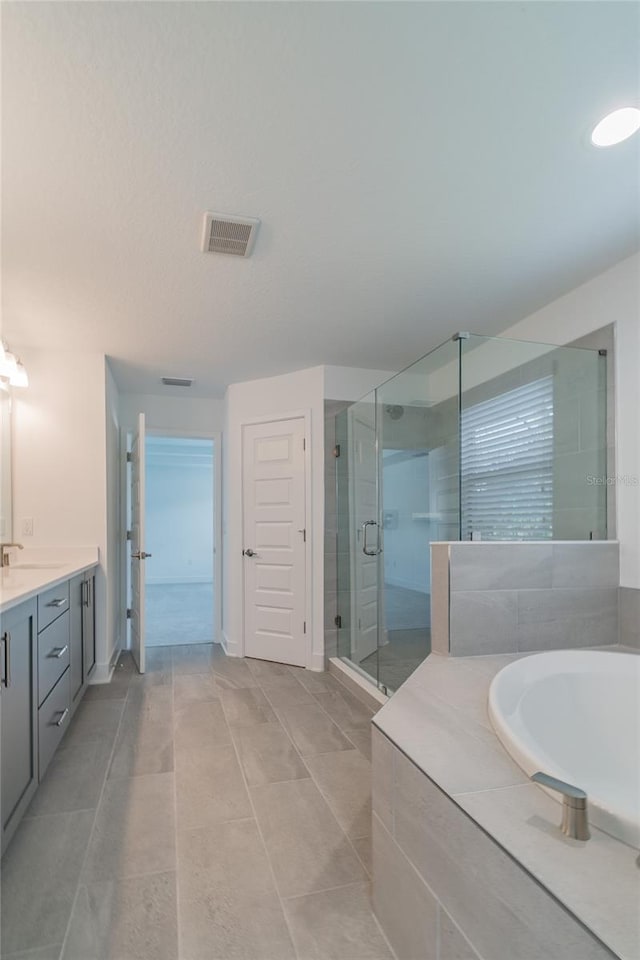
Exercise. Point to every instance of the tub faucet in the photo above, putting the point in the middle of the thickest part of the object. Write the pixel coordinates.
(4, 555)
(575, 818)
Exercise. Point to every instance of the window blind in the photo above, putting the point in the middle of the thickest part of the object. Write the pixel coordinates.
(507, 465)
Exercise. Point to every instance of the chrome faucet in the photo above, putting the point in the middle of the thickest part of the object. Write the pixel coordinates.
(4, 552)
(575, 818)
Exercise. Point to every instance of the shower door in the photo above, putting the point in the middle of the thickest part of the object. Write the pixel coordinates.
(358, 537)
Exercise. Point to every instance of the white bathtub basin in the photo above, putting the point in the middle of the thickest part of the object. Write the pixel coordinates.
(575, 714)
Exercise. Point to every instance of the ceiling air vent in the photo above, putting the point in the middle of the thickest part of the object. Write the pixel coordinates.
(226, 234)
(177, 381)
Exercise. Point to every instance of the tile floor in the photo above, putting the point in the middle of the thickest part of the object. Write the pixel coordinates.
(213, 809)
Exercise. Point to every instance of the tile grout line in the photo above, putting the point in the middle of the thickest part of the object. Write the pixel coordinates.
(317, 786)
(80, 884)
(324, 754)
(261, 835)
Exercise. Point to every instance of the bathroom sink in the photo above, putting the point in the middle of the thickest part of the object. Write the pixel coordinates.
(36, 566)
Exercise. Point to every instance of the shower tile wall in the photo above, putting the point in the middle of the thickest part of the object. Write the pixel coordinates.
(520, 597)
(629, 614)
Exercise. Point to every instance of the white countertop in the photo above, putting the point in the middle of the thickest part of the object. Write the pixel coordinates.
(37, 568)
(439, 719)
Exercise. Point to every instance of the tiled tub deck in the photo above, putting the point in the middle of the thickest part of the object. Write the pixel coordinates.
(468, 859)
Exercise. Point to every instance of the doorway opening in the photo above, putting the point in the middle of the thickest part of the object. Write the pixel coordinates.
(180, 574)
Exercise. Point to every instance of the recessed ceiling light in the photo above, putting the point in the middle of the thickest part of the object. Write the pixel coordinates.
(616, 127)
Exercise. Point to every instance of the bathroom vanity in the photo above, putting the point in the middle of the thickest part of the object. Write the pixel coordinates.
(47, 656)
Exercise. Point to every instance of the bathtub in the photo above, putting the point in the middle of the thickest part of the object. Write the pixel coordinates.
(575, 714)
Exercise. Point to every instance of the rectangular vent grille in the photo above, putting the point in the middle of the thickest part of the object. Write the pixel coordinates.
(227, 234)
(177, 381)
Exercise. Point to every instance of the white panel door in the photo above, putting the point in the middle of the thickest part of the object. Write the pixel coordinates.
(138, 555)
(274, 548)
(365, 533)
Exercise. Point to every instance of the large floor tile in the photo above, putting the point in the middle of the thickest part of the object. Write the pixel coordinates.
(148, 704)
(345, 710)
(210, 787)
(95, 720)
(246, 707)
(134, 831)
(232, 672)
(133, 919)
(361, 738)
(311, 729)
(335, 925)
(307, 848)
(267, 754)
(194, 688)
(286, 691)
(74, 779)
(40, 953)
(344, 779)
(267, 670)
(142, 748)
(200, 724)
(40, 873)
(228, 907)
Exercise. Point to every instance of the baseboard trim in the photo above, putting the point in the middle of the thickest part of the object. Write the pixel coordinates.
(363, 689)
(230, 647)
(104, 671)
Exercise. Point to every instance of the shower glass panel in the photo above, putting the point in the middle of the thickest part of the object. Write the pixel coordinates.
(417, 427)
(533, 441)
(483, 438)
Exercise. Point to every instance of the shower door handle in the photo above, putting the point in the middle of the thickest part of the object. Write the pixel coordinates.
(369, 553)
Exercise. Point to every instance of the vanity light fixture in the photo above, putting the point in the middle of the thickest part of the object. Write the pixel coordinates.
(616, 127)
(12, 368)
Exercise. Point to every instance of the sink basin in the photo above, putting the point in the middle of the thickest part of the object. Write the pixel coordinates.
(36, 566)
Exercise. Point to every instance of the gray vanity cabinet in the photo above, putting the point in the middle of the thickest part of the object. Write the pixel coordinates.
(76, 637)
(82, 639)
(19, 715)
(89, 624)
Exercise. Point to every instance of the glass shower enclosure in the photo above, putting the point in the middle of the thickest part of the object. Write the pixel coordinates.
(483, 438)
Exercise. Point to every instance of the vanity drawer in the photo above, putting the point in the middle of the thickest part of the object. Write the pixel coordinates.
(52, 603)
(53, 654)
(53, 717)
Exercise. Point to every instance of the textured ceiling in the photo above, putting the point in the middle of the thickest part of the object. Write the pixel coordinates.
(418, 168)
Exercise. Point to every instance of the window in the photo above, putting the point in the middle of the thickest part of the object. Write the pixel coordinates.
(507, 465)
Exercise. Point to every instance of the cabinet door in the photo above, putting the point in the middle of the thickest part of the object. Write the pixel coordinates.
(19, 714)
(77, 594)
(89, 625)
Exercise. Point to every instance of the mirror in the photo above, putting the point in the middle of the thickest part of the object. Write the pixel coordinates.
(5, 466)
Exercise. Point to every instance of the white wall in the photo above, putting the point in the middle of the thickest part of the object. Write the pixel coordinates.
(611, 297)
(60, 463)
(294, 393)
(179, 518)
(352, 383)
(186, 415)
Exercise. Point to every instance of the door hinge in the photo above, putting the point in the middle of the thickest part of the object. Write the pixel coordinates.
(129, 534)
(304, 534)
(304, 627)
(337, 621)
(129, 613)
(129, 458)
(304, 444)
(336, 451)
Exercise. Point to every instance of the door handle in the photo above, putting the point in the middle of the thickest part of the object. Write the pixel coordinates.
(57, 603)
(63, 716)
(140, 555)
(5, 679)
(368, 553)
(249, 553)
